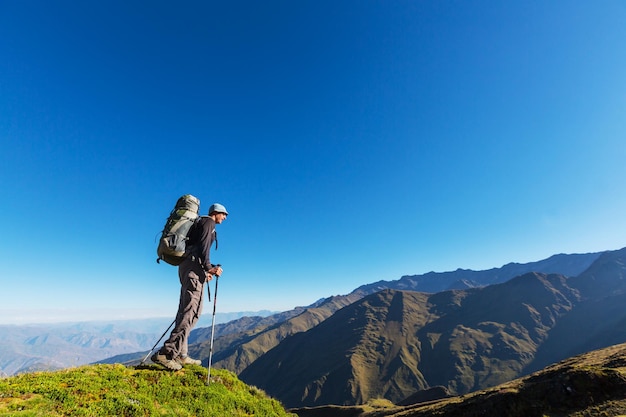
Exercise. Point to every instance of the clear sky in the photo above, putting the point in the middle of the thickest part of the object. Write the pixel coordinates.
(351, 141)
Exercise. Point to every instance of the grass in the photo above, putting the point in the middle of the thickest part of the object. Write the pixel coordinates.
(115, 390)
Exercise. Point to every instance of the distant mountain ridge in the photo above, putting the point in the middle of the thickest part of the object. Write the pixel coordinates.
(568, 265)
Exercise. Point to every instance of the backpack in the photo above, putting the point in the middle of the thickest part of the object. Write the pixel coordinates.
(173, 243)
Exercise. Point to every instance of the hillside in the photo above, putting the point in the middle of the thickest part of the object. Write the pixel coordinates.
(115, 390)
(592, 384)
(393, 343)
(237, 351)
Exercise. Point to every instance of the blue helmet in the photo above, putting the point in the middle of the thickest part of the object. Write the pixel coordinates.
(217, 208)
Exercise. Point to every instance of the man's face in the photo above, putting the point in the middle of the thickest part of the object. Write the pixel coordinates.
(220, 217)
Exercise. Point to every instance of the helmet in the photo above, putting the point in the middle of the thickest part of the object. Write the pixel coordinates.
(217, 208)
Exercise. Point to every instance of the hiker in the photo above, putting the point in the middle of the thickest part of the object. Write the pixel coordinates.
(193, 272)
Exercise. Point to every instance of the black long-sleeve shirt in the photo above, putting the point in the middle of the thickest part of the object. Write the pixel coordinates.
(201, 236)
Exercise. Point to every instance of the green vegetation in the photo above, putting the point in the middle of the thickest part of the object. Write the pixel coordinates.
(115, 390)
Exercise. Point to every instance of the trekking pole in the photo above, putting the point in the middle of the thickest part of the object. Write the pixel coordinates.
(208, 377)
(155, 345)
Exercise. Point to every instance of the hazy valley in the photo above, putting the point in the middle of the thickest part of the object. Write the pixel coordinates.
(33, 347)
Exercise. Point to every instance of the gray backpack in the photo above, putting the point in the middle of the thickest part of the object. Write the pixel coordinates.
(173, 243)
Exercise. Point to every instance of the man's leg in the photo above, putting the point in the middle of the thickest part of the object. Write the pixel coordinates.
(189, 307)
(183, 356)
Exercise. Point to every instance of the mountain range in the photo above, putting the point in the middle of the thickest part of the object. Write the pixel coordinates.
(451, 333)
(394, 343)
(425, 336)
(591, 384)
(245, 340)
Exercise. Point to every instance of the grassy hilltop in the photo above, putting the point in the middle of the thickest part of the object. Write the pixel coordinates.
(115, 390)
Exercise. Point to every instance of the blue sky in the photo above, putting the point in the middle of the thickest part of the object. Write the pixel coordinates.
(351, 142)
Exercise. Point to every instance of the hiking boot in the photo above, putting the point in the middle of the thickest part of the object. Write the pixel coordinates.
(186, 360)
(169, 364)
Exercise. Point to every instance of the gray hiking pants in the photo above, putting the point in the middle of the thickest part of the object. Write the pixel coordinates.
(192, 278)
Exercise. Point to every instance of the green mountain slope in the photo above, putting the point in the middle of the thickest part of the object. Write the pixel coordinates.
(592, 384)
(115, 390)
(393, 343)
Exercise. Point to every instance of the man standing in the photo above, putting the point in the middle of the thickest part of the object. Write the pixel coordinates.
(193, 272)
